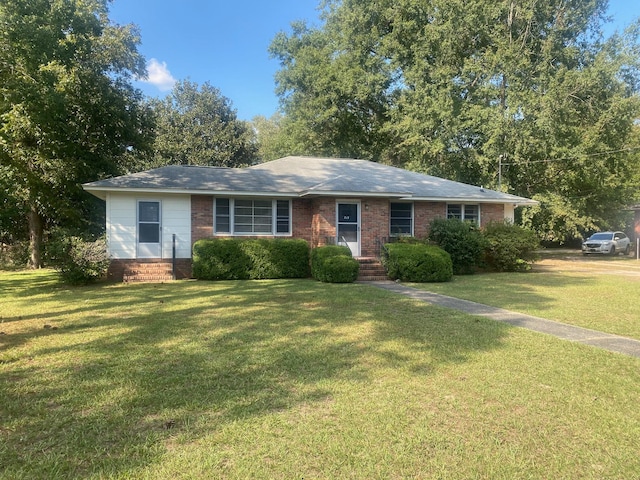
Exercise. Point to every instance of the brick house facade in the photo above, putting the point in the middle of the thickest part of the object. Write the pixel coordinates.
(155, 217)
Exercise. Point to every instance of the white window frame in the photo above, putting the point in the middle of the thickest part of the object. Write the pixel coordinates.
(410, 234)
(462, 211)
(274, 218)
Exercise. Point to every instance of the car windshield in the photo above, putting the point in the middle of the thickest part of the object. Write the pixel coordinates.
(601, 236)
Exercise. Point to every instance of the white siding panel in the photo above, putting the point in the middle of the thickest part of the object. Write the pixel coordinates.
(176, 219)
(122, 228)
(509, 212)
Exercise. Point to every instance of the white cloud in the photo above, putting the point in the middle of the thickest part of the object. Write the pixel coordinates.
(159, 75)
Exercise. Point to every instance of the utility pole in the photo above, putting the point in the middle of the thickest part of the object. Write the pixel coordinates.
(500, 157)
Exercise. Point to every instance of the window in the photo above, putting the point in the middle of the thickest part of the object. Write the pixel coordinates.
(401, 219)
(223, 216)
(252, 217)
(467, 213)
(149, 222)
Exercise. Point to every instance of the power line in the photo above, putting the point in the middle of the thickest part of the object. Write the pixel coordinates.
(549, 160)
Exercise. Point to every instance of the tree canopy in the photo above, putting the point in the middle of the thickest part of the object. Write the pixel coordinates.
(68, 112)
(524, 96)
(197, 125)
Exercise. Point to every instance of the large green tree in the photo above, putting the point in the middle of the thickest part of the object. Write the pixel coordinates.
(68, 112)
(197, 125)
(525, 96)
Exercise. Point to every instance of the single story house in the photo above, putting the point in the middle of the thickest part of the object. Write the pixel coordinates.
(358, 203)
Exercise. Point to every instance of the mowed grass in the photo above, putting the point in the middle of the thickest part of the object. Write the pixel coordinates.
(569, 292)
(296, 379)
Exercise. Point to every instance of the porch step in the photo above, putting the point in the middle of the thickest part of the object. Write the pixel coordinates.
(148, 272)
(371, 270)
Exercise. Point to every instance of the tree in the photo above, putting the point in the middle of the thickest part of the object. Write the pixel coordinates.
(334, 89)
(470, 89)
(198, 126)
(272, 144)
(68, 112)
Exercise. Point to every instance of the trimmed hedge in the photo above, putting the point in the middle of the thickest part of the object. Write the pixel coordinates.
(334, 264)
(510, 248)
(242, 259)
(417, 262)
(462, 240)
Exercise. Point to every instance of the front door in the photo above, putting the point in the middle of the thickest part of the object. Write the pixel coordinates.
(348, 230)
(149, 229)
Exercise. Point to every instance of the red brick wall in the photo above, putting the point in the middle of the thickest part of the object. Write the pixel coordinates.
(117, 267)
(201, 217)
(302, 219)
(314, 220)
(323, 221)
(491, 213)
(374, 225)
(424, 213)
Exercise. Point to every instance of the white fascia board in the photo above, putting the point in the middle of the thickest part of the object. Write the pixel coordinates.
(175, 191)
(515, 201)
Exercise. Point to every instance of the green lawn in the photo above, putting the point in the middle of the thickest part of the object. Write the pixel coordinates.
(296, 379)
(586, 298)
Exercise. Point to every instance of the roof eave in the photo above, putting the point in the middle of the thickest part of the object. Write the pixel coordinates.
(516, 201)
(96, 190)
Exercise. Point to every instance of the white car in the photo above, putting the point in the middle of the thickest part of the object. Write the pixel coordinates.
(608, 243)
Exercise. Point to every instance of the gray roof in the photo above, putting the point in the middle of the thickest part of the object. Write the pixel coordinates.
(303, 177)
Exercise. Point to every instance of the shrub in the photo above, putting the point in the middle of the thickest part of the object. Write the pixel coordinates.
(510, 248)
(462, 240)
(78, 262)
(334, 264)
(15, 255)
(239, 259)
(414, 262)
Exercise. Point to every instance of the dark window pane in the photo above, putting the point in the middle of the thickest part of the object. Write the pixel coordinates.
(222, 225)
(222, 206)
(348, 233)
(454, 211)
(223, 218)
(471, 213)
(149, 232)
(348, 213)
(149, 211)
(401, 218)
(282, 216)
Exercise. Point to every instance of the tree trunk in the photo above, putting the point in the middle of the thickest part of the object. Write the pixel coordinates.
(35, 238)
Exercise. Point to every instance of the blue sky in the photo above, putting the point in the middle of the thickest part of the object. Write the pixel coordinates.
(225, 43)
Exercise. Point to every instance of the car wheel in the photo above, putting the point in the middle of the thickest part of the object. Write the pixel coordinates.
(627, 250)
(612, 252)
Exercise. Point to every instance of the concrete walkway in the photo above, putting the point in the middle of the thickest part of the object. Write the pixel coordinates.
(607, 341)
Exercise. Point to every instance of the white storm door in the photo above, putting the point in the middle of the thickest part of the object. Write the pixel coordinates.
(348, 226)
(149, 229)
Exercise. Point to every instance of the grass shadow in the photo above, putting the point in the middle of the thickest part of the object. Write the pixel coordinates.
(132, 367)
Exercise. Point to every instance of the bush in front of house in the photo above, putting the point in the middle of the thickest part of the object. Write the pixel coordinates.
(462, 240)
(78, 261)
(510, 248)
(241, 259)
(278, 258)
(417, 262)
(334, 264)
